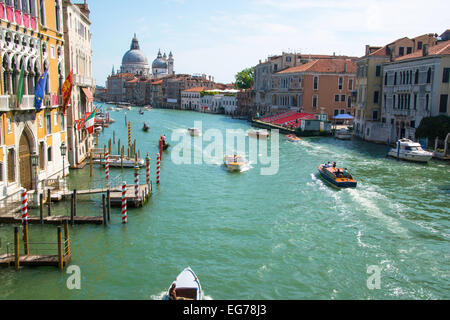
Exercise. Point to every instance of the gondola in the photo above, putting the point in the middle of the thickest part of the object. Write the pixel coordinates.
(145, 127)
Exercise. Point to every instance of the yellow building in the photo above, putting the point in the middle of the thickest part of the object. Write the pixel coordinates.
(31, 35)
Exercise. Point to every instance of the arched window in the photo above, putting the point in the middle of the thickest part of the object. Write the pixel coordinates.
(416, 78)
(429, 75)
(427, 102)
(58, 15)
(385, 79)
(395, 79)
(42, 11)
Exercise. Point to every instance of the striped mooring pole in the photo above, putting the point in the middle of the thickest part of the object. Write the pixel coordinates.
(147, 162)
(107, 165)
(158, 168)
(136, 182)
(124, 202)
(129, 134)
(24, 206)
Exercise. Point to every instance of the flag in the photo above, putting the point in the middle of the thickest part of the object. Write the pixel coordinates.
(20, 87)
(40, 91)
(67, 91)
(90, 121)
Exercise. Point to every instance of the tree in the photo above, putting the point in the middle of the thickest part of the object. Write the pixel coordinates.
(244, 79)
(433, 127)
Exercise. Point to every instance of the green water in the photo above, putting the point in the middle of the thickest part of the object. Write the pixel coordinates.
(249, 236)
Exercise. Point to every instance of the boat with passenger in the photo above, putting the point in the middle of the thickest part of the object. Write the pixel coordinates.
(410, 151)
(195, 132)
(145, 128)
(293, 138)
(234, 162)
(185, 287)
(337, 177)
(259, 134)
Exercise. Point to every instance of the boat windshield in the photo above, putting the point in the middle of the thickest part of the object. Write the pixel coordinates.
(413, 148)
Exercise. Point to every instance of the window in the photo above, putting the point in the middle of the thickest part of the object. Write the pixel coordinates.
(58, 15)
(395, 79)
(349, 102)
(419, 45)
(42, 11)
(393, 103)
(315, 102)
(412, 124)
(429, 75)
(42, 156)
(415, 101)
(446, 75)
(275, 67)
(316, 83)
(427, 102)
(416, 77)
(401, 51)
(408, 50)
(49, 124)
(52, 52)
(378, 71)
(341, 83)
(336, 98)
(376, 97)
(336, 112)
(350, 84)
(343, 97)
(385, 79)
(49, 154)
(375, 115)
(443, 103)
(288, 59)
(342, 111)
(11, 165)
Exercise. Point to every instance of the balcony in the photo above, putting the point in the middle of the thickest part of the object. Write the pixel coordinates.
(403, 88)
(15, 16)
(9, 102)
(83, 81)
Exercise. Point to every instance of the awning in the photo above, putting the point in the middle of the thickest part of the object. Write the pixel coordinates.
(88, 94)
(343, 117)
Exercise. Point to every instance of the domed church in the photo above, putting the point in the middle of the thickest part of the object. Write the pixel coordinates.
(134, 61)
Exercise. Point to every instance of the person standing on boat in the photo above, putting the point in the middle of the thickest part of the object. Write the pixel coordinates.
(173, 292)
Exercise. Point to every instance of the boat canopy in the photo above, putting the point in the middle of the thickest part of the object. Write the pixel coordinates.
(343, 117)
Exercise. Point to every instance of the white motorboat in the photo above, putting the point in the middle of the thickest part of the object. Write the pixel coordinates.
(116, 161)
(410, 151)
(195, 132)
(343, 134)
(259, 134)
(234, 162)
(187, 286)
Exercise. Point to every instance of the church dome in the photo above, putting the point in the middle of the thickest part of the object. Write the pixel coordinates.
(134, 55)
(158, 63)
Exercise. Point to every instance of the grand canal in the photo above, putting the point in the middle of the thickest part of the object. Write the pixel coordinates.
(250, 236)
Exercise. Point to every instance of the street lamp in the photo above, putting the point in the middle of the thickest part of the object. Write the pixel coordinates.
(63, 154)
(35, 163)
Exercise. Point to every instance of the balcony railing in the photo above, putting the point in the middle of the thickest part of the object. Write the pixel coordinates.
(84, 81)
(10, 14)
(9, 102)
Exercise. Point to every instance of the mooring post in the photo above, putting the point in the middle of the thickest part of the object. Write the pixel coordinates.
(108, 203)
(121, 157)
(49, 202)
(118, 147)
(26, 247)
(109, 145)
(105, 221)
(41, 208)
(72, 209)
(75, 202)
(114, 136)
(66, 238)
(124, 202)
(90, 165)
(60, 250)
(16, 248)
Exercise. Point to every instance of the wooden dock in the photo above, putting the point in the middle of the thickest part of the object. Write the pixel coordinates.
(132, 202)
(54, 220)
(33, 261)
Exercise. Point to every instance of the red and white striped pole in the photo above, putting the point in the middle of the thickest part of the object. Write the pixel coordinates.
(148, 169)
(158, 168)
(124, 202)
(136, 182)
(24, 210)
(107, 165)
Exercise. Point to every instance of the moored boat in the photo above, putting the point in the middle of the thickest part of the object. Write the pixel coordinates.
(141, 111)
(410, 151)
(337, 177)
(259, 134)
(293, 138)
(116, 161)
(195, 132)
(343, 134)
(185, 287)
(234, 162)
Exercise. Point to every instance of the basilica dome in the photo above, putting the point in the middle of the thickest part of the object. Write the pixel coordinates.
(134, 61)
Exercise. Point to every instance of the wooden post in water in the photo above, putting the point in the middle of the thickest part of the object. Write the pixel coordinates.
(105, 222)
(72, 209)
(114, 136)
(41, 208)
(108, 203)
(49, 202)
(26, 247)
(96, 138)
(109, 146)
(16, 248)
(66, 238)
(75, 202)
(118, 147)
(90, 165)
(121, 157)
(60, 250)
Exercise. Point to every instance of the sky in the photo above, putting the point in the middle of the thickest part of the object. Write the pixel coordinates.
(220, 38)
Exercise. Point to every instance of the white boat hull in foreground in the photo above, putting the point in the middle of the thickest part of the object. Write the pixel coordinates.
(187, 286)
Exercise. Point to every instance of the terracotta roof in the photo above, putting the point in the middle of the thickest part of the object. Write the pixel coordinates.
(157, 82)
(380, 52)
(442, 48)
(133, 81)
(123, 75)
(196, 89)
(324, 66)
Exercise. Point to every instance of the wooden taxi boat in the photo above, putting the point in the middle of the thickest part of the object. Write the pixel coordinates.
(234, 162)
(337, 177)
(293, 138)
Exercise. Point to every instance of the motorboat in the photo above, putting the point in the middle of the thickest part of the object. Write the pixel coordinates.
(259, 134)
(116, 161)
(337, 177)
(195, 132)
(141, 111)
(343, 134)
(410, 151)
(148, 108)
(234, 162)
(293, 138)
(187, 286)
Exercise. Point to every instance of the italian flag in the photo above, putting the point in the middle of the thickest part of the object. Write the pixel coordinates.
(89, 122)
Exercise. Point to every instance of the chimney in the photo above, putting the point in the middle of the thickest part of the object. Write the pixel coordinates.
(345, 67)
(367, 49)
(84, 8)
(425, 50)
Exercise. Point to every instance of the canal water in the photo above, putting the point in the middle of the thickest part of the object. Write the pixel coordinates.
(254, 236)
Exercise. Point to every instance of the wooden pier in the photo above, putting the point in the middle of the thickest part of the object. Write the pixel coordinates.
(55, 220)
(145, 193)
